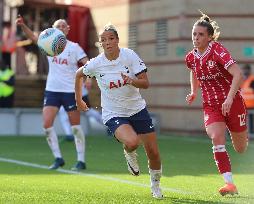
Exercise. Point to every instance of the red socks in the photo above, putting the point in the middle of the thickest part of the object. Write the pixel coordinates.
(221, 158)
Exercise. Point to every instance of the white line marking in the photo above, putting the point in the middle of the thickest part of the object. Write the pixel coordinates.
(108, 178)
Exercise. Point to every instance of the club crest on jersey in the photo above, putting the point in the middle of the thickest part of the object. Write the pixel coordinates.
(211, 64)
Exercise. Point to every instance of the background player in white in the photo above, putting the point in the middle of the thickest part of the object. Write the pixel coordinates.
(120, 73)
(90, 113)
(60, 92)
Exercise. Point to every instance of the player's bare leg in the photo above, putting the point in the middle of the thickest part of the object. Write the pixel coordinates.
(239, 141)
(216, 131)
(154, 163)
(125, 134)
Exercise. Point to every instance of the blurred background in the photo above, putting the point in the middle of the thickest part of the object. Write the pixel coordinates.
(158, 30)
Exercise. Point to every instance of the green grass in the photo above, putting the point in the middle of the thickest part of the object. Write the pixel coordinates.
(189, 173)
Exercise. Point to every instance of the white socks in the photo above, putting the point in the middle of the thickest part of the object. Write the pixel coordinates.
(79, 141)
(155, 176)
(228, 177)
(53, 142)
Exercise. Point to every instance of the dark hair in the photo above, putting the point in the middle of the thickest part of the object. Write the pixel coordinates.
(212, 26)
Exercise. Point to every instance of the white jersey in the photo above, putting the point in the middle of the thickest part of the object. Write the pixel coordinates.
(118, 99)
(63, 67)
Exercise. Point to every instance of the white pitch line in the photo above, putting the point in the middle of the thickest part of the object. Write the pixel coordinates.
(108, 178)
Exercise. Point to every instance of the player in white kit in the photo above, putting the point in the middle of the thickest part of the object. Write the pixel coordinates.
(93, 113)
(60, 92)
(120, 73)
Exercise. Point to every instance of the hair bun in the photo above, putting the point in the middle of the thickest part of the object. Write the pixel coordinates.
(207, 19)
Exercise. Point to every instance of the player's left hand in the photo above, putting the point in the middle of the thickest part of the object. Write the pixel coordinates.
(226, 106)
(127, 79)
(81, 106)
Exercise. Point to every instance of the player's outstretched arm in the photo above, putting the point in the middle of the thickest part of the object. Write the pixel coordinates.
(78, 90)
(29, 33)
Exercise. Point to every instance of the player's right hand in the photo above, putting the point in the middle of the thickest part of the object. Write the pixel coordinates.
(81, 106)
(190, 98)
(19, 21)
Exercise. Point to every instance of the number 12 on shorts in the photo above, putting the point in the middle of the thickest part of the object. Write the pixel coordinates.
(242, 119)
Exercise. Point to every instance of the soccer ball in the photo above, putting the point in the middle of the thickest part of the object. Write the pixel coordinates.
(52, 41)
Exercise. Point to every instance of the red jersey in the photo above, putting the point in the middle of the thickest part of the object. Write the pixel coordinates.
(210, 69)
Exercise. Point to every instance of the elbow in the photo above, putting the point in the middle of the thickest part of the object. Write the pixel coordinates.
(146, 85)
(79, 74)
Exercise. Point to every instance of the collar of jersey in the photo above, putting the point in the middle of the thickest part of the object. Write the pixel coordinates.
(201, 56)
(112, 62)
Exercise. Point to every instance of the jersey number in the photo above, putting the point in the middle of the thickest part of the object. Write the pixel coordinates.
(242, 119)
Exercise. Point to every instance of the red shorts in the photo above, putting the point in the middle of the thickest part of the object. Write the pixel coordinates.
(236, 120)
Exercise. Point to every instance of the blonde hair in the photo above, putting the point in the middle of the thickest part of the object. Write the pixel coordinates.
(110, 27)
(211, 25)
(59, 21)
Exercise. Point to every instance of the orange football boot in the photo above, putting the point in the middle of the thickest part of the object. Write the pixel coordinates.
(228, 188)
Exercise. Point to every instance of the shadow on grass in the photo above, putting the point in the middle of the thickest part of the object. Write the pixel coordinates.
(194, 201)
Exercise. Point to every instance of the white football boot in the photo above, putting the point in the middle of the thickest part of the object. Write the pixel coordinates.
(156, 192)
(132, 163)
(155, 176)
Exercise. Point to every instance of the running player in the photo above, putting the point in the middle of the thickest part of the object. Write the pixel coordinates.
(120, 73)
(217, 73)
(60, 92)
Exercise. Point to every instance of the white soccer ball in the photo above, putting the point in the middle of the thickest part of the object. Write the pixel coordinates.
(52, 41)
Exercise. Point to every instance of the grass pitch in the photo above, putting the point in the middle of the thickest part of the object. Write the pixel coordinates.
(189, 173)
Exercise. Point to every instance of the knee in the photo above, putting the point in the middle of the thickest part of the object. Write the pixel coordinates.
(240, 149)
(217, 139)
(132, 145)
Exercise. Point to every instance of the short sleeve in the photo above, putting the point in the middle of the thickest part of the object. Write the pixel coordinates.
(223, 57)
(88, 69)
(138, 66)
(80, 53)
(187, 62)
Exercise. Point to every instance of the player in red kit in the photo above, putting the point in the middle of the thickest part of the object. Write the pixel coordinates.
(217, 74)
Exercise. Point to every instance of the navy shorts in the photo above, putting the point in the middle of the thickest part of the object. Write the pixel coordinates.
(58, 99)
(141, 122)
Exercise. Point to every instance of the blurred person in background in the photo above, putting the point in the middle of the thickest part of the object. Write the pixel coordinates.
(7, 82)
(90, 113)
(247, 87)
(217, 73)
(120, 73)
(8, 42)
(60, 92)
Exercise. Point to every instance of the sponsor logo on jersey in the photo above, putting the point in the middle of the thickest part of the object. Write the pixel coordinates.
(209, 77)
(60, 60)
(117, 84)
